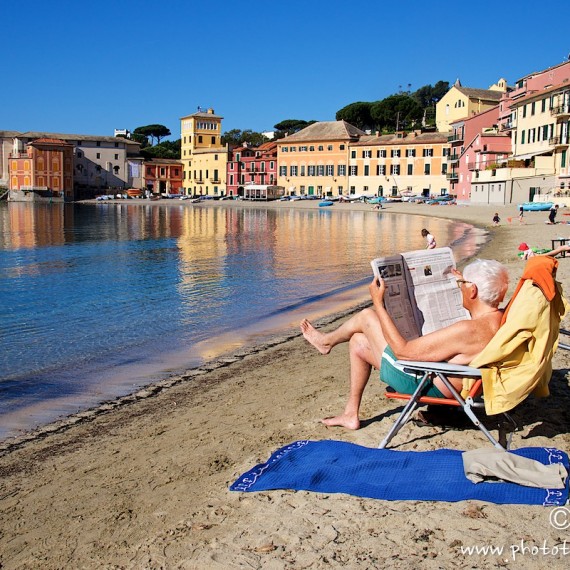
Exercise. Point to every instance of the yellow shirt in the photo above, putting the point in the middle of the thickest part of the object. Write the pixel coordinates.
(518, 360)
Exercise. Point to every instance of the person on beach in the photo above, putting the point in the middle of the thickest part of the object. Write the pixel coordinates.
(521, 215)
(431, 244)
(552, 215)
(374, 340)
(528, 252)
(496, 219)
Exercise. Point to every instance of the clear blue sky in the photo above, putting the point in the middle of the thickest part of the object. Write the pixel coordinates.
(90, 67)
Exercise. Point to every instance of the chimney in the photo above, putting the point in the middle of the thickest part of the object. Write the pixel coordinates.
(210, 111)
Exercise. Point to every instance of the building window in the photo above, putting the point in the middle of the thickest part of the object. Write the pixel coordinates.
(282, 171)
(523, 133)
(366, 154)
(543, 106)
(524, 111)
(395, 153)
(341, 170)
(330, 170)
(98, 155)
(532, 108)
(294, 171)
(352, 154)
(284, 149)
(199, 138)
(302, 170)
(320, 170)
(311, 149)
(446, 151)
(293, 149)
(353, 171)
(116, 157)
(411, 152)
(311, 170)
(366, 170)
(330, 147)
(341, 147)
(427, 169)
(394, 169)
(410, 169)
(428, 152)
(444, 168)
(321, 148)
(381, 170)
(381, 154)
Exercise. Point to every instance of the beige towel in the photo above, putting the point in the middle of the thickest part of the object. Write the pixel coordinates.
(482, 464)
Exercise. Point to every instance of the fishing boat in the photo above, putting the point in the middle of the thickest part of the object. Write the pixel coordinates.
(536, 206)
(325, 203)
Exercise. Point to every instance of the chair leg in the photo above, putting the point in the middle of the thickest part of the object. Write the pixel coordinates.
(506, 431)
(406, 413)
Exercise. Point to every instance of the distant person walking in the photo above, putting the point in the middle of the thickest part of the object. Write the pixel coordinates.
(431, 244)
(496, 219)
(521, 215)
(552, 215)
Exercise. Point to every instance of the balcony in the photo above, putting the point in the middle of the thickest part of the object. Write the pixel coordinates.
(506, 126)
(455, 137)
(558, 141)
(215, 180)
(452, 176)
(199, 181)
(453, 158)
(560, 110)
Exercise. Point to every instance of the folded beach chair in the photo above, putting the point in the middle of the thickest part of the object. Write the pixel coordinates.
(516, 362)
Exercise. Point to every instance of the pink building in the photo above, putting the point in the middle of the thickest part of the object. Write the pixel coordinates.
(476, 144)
(251, 165)
(531, 83)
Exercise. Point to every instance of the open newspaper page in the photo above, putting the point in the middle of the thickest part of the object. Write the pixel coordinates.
(438, 299)
(400, 306)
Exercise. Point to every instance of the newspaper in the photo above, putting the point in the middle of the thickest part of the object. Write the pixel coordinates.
(421, 292)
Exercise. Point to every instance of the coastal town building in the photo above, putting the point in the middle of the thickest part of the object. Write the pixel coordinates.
(100, 164)
(314, 161)
(204, 158)
(476, 145)
(387, 165)
(251, 165)
(462, 102)
(41, 169)
(538, 165)
(163, 176)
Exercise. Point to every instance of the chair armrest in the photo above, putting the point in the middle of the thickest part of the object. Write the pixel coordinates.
(442, 367)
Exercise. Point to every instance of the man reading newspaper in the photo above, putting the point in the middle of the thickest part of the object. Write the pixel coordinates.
(375, 341)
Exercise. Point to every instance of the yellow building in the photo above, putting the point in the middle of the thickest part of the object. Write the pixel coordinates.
(204, 158)
(314, 161)
(462, 102)
(387, 165)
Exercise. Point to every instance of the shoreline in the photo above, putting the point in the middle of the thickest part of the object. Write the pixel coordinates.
(146, 481)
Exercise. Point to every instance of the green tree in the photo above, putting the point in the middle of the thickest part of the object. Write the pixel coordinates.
(157, 132)
(236, 137)
(290, 126)
(396, 112)
(166, 149)
(357, 114)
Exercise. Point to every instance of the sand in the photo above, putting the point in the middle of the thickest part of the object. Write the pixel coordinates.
(144, 482)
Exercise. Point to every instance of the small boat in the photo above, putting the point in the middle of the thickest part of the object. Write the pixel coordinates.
(325, 203)
(134, 192)
(536, 206)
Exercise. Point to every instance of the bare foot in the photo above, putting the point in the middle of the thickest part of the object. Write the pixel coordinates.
(316, 338)
(346, 421)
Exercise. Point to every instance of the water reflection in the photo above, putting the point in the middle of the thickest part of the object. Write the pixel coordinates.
(97, 297)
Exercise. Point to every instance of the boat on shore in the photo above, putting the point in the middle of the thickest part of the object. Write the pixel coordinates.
(325, 203)
(536, 206)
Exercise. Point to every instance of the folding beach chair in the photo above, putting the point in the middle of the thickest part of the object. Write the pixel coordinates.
(516, 362)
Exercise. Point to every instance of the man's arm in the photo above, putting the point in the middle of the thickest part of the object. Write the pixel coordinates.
(449, 343)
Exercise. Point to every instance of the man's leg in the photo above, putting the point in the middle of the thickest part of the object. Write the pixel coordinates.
(362, 359)
(365, 321)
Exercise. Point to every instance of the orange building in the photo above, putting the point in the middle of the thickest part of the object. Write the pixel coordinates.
(163, 175)
(44, 168)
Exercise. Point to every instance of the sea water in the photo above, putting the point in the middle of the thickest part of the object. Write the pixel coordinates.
(97, 300)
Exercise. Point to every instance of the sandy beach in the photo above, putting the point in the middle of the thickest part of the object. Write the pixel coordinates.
(143, 483)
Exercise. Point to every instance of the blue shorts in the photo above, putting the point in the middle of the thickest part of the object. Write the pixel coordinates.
(401, 381)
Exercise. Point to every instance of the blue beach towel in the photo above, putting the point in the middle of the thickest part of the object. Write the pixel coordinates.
(340, 467)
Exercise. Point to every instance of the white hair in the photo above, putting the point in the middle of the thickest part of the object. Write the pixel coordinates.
(491, 278)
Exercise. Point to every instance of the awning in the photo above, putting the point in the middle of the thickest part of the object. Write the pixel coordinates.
(528, 155)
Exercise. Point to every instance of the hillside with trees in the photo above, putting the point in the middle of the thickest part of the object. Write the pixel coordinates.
(402, 111)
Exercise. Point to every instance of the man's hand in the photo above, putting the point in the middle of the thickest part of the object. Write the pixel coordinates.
(377, 289)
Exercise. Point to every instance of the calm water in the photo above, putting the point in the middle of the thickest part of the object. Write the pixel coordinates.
(98, 300)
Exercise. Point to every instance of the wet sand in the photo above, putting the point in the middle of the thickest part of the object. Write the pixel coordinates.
(143, 482)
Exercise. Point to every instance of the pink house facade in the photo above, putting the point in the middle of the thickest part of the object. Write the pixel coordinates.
(251, 165)
(476, 144)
